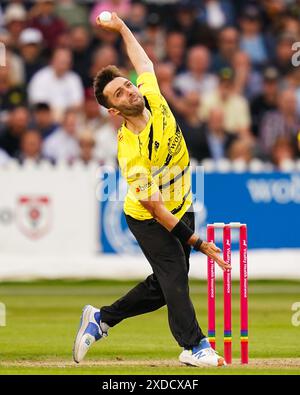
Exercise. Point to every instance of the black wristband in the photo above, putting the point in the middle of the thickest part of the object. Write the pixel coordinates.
(182, 231)
(197, 245)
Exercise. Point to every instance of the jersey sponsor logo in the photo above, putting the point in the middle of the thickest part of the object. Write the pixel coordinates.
(165, 113)
(142, 188)
(174, 143)
(164, 110)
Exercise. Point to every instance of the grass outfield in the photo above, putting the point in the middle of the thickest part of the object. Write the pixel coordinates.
(42, 320)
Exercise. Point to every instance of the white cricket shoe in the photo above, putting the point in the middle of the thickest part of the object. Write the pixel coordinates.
(88, 333)
(202, 355)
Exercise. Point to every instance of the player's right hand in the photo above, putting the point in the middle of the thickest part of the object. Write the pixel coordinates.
(114, 25)
(212, 251)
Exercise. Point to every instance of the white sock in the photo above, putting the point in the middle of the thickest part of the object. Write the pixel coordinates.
(104, 327)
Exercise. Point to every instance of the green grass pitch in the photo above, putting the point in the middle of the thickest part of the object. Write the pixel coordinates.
(43, 316)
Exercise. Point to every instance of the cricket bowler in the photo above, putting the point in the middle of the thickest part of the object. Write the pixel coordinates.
(154, 160)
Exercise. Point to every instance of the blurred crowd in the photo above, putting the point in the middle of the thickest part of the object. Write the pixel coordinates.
(225, 68)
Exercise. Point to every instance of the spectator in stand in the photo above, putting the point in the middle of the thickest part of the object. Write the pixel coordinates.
(136, 19)
(91, 119)
(214, 140)
(43, 120)
(216, 13)
(196, 32)
(11, 94)
(241, 150)
(282, 150)
(87, 145)
(63, 144)
(175, 50)
(102, 57)
(165, 76)
(82, 53)
(30, 49)
(283, 122)
(196, 78)
(228, 46)
(57, 85)
(106, 141)
(30, 147)
(154, 34)
(204, 140)
(72, 13)
(292, 80)
(64, 40)
(284, 53)
(252, 40)
(43, 18)
(235, 106)
(274, 9)
(15, 19)
(265, 101)
(13, 61)
(11, 136)
(290, 24)
(15, 67)
(247, 81)
(191, 124)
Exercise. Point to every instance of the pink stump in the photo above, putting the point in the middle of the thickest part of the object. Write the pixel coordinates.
(244, 294)
(227, 295)
(211, 291)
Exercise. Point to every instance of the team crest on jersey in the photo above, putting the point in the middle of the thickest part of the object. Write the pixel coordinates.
(34, 215)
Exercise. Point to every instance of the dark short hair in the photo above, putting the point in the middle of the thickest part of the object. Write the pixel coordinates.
(41, 106)
(102, 78)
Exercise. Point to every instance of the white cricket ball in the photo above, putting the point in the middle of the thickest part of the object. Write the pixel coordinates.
(105, 16)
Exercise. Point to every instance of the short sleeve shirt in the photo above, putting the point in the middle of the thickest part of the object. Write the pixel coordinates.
(156, 159)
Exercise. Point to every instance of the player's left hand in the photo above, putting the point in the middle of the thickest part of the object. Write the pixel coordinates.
(212, 251)
(115, 24)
